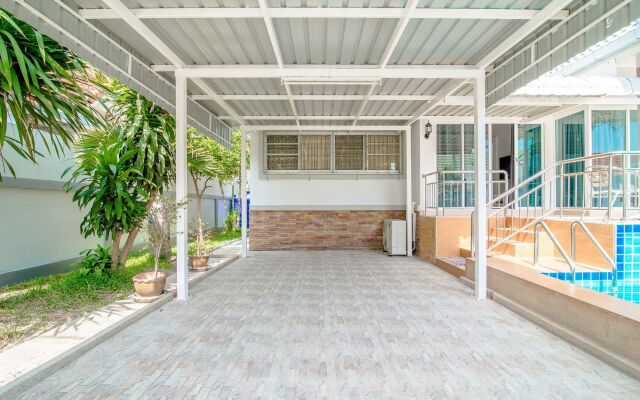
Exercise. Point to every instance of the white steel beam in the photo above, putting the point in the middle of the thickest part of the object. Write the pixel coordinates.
(243, 192)
(519, 101)
(182, 224)
(399, 30)
(118, 8)
(327, 73)
(338, 128)
(408, 193)
(480, 219)
(320, 117)
(273, 38)
(391, 46)
(319, 12)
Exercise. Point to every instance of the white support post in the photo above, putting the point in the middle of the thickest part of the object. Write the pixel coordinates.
(480, 221)
(181, 188)
(243, 190)
(409, 203)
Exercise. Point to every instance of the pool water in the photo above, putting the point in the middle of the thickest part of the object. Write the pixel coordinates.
(627, 259)
(628, 288)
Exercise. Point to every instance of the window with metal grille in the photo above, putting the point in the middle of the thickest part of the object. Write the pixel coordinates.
(315, 152)
(383, 152)
(349, 152)
(333, 153)
(282, 152)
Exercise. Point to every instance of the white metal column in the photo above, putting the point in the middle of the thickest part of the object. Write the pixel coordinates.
(409, 203)
(480, 221)
(181, 187)
(243, 190)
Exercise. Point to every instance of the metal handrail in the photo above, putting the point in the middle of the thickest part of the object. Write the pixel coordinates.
(536, 247)
(509, 205)
(435, 191)
(604, 254)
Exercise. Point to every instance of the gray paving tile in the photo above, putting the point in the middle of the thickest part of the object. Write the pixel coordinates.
(334, 325)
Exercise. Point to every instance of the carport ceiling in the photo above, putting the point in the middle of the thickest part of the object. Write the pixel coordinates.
(300, 63)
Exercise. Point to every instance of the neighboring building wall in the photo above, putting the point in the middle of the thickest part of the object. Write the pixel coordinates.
(320, 211)
(41, 224)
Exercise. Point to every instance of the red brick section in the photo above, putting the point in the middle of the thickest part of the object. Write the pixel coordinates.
(343, 229)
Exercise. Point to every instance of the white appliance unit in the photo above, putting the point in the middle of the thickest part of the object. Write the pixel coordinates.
(394, 237)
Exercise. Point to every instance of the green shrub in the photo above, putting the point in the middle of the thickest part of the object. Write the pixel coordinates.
(96, 261)
(231, 221)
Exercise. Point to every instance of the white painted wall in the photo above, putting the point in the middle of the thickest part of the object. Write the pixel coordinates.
(319, 192)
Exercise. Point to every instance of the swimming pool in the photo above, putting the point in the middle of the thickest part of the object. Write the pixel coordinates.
(628, 287)
(627, 259)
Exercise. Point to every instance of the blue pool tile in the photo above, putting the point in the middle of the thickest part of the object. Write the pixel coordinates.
(620, 241)
(636, 228)
(620, 228)
(628, 228)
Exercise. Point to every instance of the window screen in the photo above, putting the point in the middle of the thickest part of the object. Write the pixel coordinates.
(383, 152)
(349, 152)
(315, 152)
(282, 152)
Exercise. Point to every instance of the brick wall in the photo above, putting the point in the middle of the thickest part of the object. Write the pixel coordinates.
(313, 229)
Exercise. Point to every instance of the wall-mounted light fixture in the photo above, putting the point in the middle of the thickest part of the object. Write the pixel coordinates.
(428, 128)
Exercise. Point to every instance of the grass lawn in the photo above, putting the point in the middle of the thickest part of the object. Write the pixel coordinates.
(37, 305)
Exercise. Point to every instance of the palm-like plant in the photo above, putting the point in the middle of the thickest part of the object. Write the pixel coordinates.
(150, 130)
(109, 186)
(41, 84)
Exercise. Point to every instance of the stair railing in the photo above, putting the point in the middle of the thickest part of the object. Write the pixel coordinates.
(528, 202)
(598, 246)
(554, 240)
(525, 200)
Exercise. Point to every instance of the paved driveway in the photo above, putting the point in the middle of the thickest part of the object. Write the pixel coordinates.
(333, 325)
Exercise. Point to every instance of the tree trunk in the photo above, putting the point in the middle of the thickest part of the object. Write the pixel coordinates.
(115, 250)
(131, 238)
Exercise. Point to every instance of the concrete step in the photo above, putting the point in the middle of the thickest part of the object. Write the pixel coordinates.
(526, 235)
(452, 265)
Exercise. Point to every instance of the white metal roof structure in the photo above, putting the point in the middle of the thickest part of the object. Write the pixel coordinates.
(345, 65)
(257, 63)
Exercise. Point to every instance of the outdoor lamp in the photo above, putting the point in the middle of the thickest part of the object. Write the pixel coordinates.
(428, 128)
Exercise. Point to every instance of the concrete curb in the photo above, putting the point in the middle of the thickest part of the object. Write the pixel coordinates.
(21, 383)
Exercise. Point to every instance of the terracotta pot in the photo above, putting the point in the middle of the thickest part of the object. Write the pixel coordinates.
(148, 284)
(199, 262)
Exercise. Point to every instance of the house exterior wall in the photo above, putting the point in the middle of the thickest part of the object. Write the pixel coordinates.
(329, 211)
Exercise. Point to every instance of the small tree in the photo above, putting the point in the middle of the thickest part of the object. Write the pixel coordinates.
(229, 161)
(162, 214)
(203, 168)
(151, 131)
(108, 185)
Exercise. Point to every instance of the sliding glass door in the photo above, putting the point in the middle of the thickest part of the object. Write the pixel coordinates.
(529, 162)
(569, 145)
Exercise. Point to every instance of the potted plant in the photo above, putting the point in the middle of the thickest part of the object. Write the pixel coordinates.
(203, 168)
(162, 214)
(198, 258)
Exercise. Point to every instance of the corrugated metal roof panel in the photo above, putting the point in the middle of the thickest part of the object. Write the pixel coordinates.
(392, 107)
(246, 86)
(340, 108)
(219, 41)
(260, 107)
(333, 41)
(450, 41)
